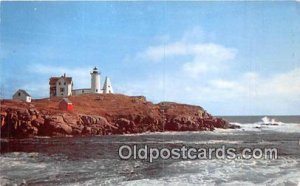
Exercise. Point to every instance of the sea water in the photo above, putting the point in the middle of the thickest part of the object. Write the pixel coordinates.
(95, 160)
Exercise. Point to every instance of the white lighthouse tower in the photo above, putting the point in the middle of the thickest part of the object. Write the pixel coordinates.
(95, 81)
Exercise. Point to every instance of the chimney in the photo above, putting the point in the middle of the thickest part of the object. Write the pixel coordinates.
(64, 75)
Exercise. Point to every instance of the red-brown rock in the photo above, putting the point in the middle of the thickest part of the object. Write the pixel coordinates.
(103, 114)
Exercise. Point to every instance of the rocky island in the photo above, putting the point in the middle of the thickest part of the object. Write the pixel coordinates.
(102, 114)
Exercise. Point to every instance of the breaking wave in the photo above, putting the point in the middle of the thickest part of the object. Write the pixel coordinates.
(95, 161)
(270, 124)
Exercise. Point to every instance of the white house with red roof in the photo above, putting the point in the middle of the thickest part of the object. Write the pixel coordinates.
(61, 86)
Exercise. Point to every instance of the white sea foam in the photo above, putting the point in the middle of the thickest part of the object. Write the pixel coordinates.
(269, 124)
(176, 142)
(226, 172)
(21, 167)
(282, 127)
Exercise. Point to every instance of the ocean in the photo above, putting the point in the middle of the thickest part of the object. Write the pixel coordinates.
(95, 160)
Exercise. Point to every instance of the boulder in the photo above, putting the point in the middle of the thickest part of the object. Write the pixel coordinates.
(55, 125)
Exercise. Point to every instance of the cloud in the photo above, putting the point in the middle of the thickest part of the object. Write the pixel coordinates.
(196, 58)
(81, 76)
(248, 93)
(40, 89)
(207, 57)
(281, 85)
(159, 52)
(204, 73)
(251, 85)
(224, 84)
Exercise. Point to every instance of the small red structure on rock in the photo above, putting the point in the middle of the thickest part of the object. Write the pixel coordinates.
(66, 104)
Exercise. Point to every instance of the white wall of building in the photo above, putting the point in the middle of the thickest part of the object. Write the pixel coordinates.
(63, 88)
(19, 95)
(81, 91)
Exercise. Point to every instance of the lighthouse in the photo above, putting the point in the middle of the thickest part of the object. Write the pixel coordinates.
(64, 87)
(95, 81)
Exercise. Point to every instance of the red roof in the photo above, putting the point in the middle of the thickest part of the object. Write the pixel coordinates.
(66, 100)
(53, 80)
(65, 104)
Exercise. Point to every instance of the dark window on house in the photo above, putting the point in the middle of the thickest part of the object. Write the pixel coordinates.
(62, 89)
(19, 94)
(96, 90)
(82, 91)
(64, 83)
(58, 83)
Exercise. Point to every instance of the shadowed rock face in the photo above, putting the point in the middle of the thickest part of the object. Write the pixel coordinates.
(102, 115)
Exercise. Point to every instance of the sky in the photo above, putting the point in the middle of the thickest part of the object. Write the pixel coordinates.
(232, 58)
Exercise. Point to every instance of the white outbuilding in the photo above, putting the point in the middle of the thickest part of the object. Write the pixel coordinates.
(107, 87)
(22, 95)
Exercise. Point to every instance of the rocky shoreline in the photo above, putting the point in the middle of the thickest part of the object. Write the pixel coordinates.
(102, 115)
